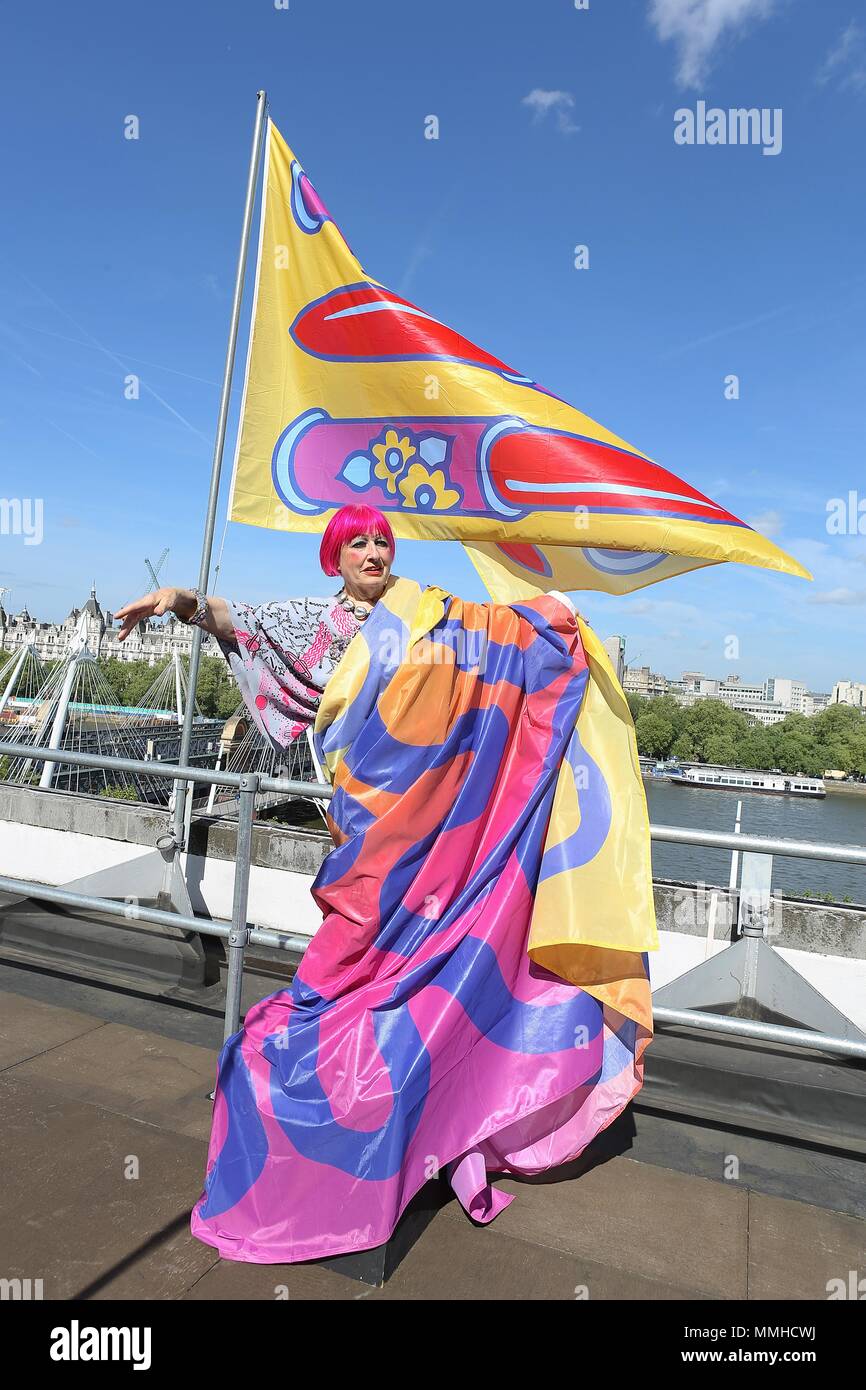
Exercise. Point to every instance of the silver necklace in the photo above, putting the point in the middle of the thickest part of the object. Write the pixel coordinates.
(351, 606)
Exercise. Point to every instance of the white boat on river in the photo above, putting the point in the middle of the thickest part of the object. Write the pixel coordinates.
(747, 780)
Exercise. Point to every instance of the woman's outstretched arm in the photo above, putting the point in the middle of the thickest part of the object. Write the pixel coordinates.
(217, 620)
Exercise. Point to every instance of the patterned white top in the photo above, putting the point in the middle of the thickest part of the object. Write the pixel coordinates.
(282, 658)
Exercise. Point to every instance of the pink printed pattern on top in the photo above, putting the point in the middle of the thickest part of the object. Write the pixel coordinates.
(282, 658)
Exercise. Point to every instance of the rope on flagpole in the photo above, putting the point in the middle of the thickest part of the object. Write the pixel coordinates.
(218, 565)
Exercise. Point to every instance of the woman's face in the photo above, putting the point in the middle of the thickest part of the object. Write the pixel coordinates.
(365, 564)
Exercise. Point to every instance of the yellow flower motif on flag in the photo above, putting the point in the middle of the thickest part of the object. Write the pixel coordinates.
(392, 457)
(434, 495)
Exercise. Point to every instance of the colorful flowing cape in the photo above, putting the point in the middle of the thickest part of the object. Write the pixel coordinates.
(476, 999)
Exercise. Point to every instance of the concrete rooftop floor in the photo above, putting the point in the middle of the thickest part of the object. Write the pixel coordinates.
(81, 1091)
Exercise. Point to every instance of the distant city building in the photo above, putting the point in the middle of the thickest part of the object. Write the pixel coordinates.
(753, 700)
(694, 685)
(750, 700)
(640, 680)
(849, 693)
(767, 702)
(615, 648)
(815, 702)
(781, 690)
(153, 641)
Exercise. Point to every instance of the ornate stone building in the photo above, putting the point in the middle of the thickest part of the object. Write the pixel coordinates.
(151, 641)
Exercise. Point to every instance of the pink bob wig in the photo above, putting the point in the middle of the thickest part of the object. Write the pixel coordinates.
(344, 526)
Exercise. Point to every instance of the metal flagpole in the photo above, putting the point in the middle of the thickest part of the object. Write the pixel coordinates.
(180, 788)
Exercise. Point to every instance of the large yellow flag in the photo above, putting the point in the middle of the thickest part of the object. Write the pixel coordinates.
(353, 394)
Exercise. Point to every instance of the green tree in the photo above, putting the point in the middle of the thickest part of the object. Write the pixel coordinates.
(683, 748)
(714, 728)
(655, 734)
(130, 680)
(637, 704)
(711, 731)
(756, 748)
(217, 690)
(722, 748)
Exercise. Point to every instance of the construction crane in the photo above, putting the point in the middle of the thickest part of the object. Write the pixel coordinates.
(159, 564)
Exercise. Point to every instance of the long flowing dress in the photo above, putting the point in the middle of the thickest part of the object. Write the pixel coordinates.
(476, 999)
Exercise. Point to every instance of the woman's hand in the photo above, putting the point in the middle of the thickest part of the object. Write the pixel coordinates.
(217, 620)
(180, 601)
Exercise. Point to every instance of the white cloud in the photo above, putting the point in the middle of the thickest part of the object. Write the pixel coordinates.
(768, 523)
(661, 608)
(846, 597)
(698, 26)
(560, 103)
(845, 64)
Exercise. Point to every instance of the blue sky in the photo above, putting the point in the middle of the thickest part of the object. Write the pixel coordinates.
(556, 128)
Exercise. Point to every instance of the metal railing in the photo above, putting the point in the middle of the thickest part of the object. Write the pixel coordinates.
(238, 933)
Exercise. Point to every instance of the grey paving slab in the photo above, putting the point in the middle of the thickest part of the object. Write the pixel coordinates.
(158, 1013)
(148, 1077)
(29, 1027)
(452, 1261)
(666, 1227)
(71, 1217)
(81, 1097)
(798, 1172)
(797, 1251)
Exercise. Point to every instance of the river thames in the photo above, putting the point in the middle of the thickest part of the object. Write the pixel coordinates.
(837, 818)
